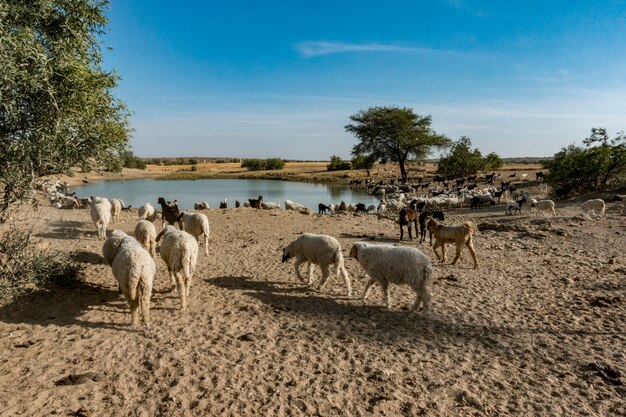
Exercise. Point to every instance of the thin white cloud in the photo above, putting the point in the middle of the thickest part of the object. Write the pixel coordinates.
(309, 49)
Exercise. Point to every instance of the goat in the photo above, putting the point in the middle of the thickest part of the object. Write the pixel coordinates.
(360, 208)
(459, 235)
(515, 205)
(323, 208)
(224, 204)
(407, 216)
(539, 175)
(439, 215)
(170, 211)
(256, 203)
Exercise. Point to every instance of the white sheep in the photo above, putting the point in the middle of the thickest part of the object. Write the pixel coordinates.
(201, 206)
(145, 233)
(147, 212)
(271, 205)
(134, 270)
(290, 205)
(116, 208)
(387, 264)
(319, 250)
(543, 206)
(590, 206)
(371, 208)
(179, 251)
(197, 225)
(101, 215)
(381, 207)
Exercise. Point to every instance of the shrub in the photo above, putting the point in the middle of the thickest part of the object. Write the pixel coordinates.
(599, 166)
(22, 266)
(260, 164)
(338, 164)
(363, 162)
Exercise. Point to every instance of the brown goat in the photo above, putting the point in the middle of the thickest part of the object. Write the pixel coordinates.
(459, 235)
(408, 216)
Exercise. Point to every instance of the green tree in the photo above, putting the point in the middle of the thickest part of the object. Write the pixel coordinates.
(600, 165)
(461, 160)
(57, 107)
(493, 162)
(395, 134)
(362, 162)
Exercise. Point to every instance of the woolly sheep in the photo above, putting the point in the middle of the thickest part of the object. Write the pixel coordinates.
(116, 208)
(145, 233)
(147, 212)
(387, 264)
(319, 250)
(271, 205)
(290, 205)
(179, 251)
(101, 215)
(543, 205)
(197, 225)
(134, 270)
(590, 206)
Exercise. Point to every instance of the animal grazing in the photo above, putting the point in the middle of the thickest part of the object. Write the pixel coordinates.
(116, 208)
(201, 206)
(319, 250)
(360, 208)
(179, 251)
(237, 204)
(591, 206)
(543, 206)
(145, 233)
(387, 264)
(516, 206)
(147, 212)
(460, 235)
(323, 209)
(290, 205)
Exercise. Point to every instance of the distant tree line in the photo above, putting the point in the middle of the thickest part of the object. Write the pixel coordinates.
(263, 164)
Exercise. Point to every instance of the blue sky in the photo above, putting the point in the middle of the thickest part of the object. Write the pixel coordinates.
(281, 78)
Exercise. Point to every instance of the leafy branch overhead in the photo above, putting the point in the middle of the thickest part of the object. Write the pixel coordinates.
(58, 109)
(395, 134)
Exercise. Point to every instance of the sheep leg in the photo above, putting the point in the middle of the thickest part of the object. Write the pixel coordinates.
(134, 311)
(296, 266)
(172, 279)
(366, 292)
(310, 274)
(182, 291)
(144, 305)
(206, 245)
(325, 274)
(387, 296)
(418, 300)
(346, 279)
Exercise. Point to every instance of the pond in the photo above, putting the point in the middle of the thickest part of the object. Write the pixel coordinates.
(188, 192)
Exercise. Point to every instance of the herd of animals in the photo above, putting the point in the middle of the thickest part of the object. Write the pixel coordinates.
(133, 259)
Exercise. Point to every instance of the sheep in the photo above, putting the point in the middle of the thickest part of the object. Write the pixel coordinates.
(387, 264)
(116, 208)
(271, 205)
(134, 270)
(179, 251)
(458, 234)
(255, 203)
(68, 202)
(543, 205)
(197, 225)
(407, 216)
(590, 206)
(319, 250)
(371, 208)
(201, 206)
(101, 215)
(439, 215)
(147, 212)
(290, 205)
(145, 233)
(170, 211)
(112, 244)
(516, 206)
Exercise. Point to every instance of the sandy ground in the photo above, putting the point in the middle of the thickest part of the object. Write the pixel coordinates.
(538, 330)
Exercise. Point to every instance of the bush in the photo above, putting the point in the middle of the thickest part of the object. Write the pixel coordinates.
(599, 166)
(338, 164)
(260, 164)
(363, 162)
(22, 266)
(462, 161)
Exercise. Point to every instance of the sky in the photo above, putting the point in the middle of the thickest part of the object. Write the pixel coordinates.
(261, 79)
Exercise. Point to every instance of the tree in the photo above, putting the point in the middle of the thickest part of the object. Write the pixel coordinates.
(461, 160)
(57, 108)
(394, 134)
(493, 161)
(599, 166)
(338, 164)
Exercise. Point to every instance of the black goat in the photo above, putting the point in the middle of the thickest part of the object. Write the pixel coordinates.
(237, 204)
(360, 208)
(170, 211)
(439, 215)
(539, 175)
(255, 203)
(323, 208)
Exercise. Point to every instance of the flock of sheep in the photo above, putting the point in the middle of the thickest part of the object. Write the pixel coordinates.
(133, 259)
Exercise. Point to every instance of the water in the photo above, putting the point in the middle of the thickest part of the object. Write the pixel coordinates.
(188, 192)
